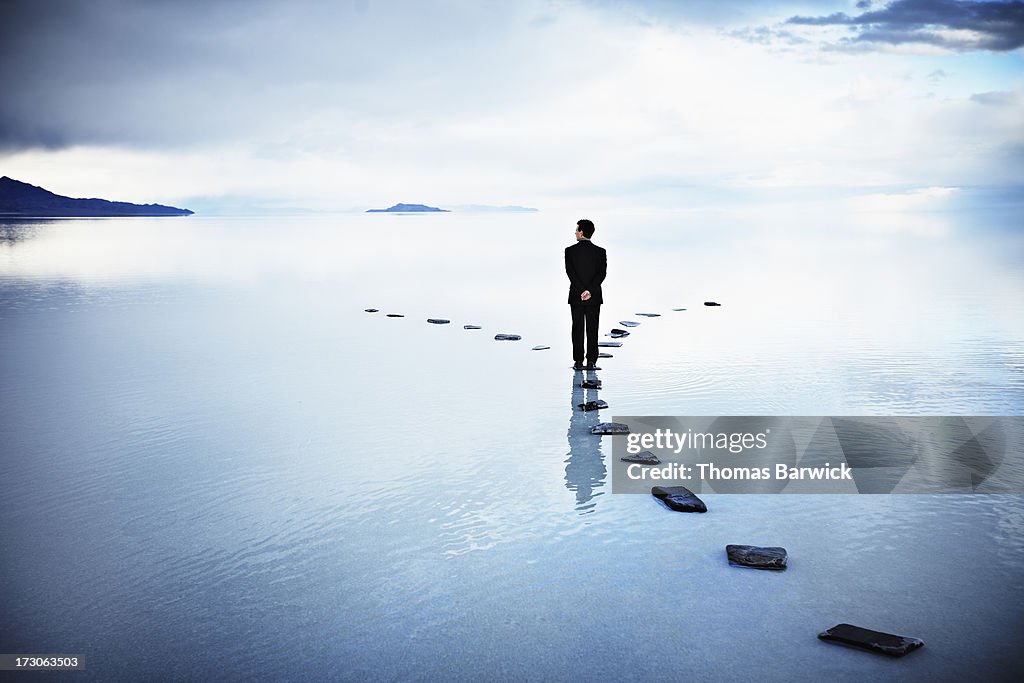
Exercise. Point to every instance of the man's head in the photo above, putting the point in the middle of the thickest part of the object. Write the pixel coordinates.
(584, 227)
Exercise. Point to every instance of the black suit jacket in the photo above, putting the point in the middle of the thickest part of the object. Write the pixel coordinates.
(586, 264)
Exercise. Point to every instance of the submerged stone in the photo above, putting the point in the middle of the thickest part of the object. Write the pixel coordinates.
(395, 315)
(591, 384)
(610, 344)
(593, 405)
(610, 428)
(679, 498)
(642, 458)
(618, 333)
(540, 348)
(712, 303)
(873, 641)
(629, 323)
(371, 310)
(756, 557)
(650, 315)
(471, 327)
(438, 321)
(605, 355)
(507, 337)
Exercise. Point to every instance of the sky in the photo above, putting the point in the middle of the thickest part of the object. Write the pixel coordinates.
(545, 103)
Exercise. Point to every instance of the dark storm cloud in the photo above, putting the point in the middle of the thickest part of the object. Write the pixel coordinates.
(83, 72)
(175, 73)
(999, 26)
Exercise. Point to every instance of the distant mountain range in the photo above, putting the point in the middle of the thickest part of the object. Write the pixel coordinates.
(21, 199)
(469, 208)
(407, 208)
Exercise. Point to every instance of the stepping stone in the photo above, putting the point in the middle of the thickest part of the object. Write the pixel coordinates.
(371, 310)
(678, 309)
(507, 337)
(395, 315)
(756, 557)
(605, 355)
(471, 327)
(609, 344)
(712, 303)
(679, 498)
(585, 369)
(629, 323)
(591, 384)
(650, 315)
(540, 348)
(605, 428)
(642, 458)
(438, 321)
(873, 641)
(593, 405)
(618, 333)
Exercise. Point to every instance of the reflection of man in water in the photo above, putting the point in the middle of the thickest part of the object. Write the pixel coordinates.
(584, 468)
(586, 264)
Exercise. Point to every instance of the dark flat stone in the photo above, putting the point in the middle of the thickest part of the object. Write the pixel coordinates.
(591, 384)
(371, 310)
(507, 337)
(610, 428)
(593, 405)
(438, 321)
(650, 315)
(609, 344)
(679, 498)
(873, 641)
(642, 458)
(618, 333)
(605, 355)
(678, 309)
(756, 557)
(395, 315)
(712, 303)
(540, 348)
(471, 327)
(629, 323)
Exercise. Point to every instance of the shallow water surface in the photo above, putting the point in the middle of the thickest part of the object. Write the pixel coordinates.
(216, 465)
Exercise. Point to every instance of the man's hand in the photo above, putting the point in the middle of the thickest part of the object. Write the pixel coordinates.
(585, 296)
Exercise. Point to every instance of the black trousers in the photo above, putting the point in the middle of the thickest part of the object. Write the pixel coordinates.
(587, 317)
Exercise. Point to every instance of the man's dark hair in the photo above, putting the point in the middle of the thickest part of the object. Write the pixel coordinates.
(586, 227)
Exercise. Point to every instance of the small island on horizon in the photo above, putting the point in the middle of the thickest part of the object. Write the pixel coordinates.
(408, 208)
(24, 200)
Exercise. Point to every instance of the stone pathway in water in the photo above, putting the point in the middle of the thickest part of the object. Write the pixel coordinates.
(681, 499)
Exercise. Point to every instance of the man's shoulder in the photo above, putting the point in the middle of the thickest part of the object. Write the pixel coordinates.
(584, 246)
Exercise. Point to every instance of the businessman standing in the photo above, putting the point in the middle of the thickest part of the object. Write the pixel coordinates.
(586, 264)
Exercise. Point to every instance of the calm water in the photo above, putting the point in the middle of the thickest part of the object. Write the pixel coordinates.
(214, 464)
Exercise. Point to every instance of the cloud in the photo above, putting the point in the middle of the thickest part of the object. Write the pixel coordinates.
(998, 98)
(170, 74)
(327, 104)
(698, 12)
(959, 25)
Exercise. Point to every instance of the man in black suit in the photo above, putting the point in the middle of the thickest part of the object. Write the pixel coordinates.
(586, 265)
